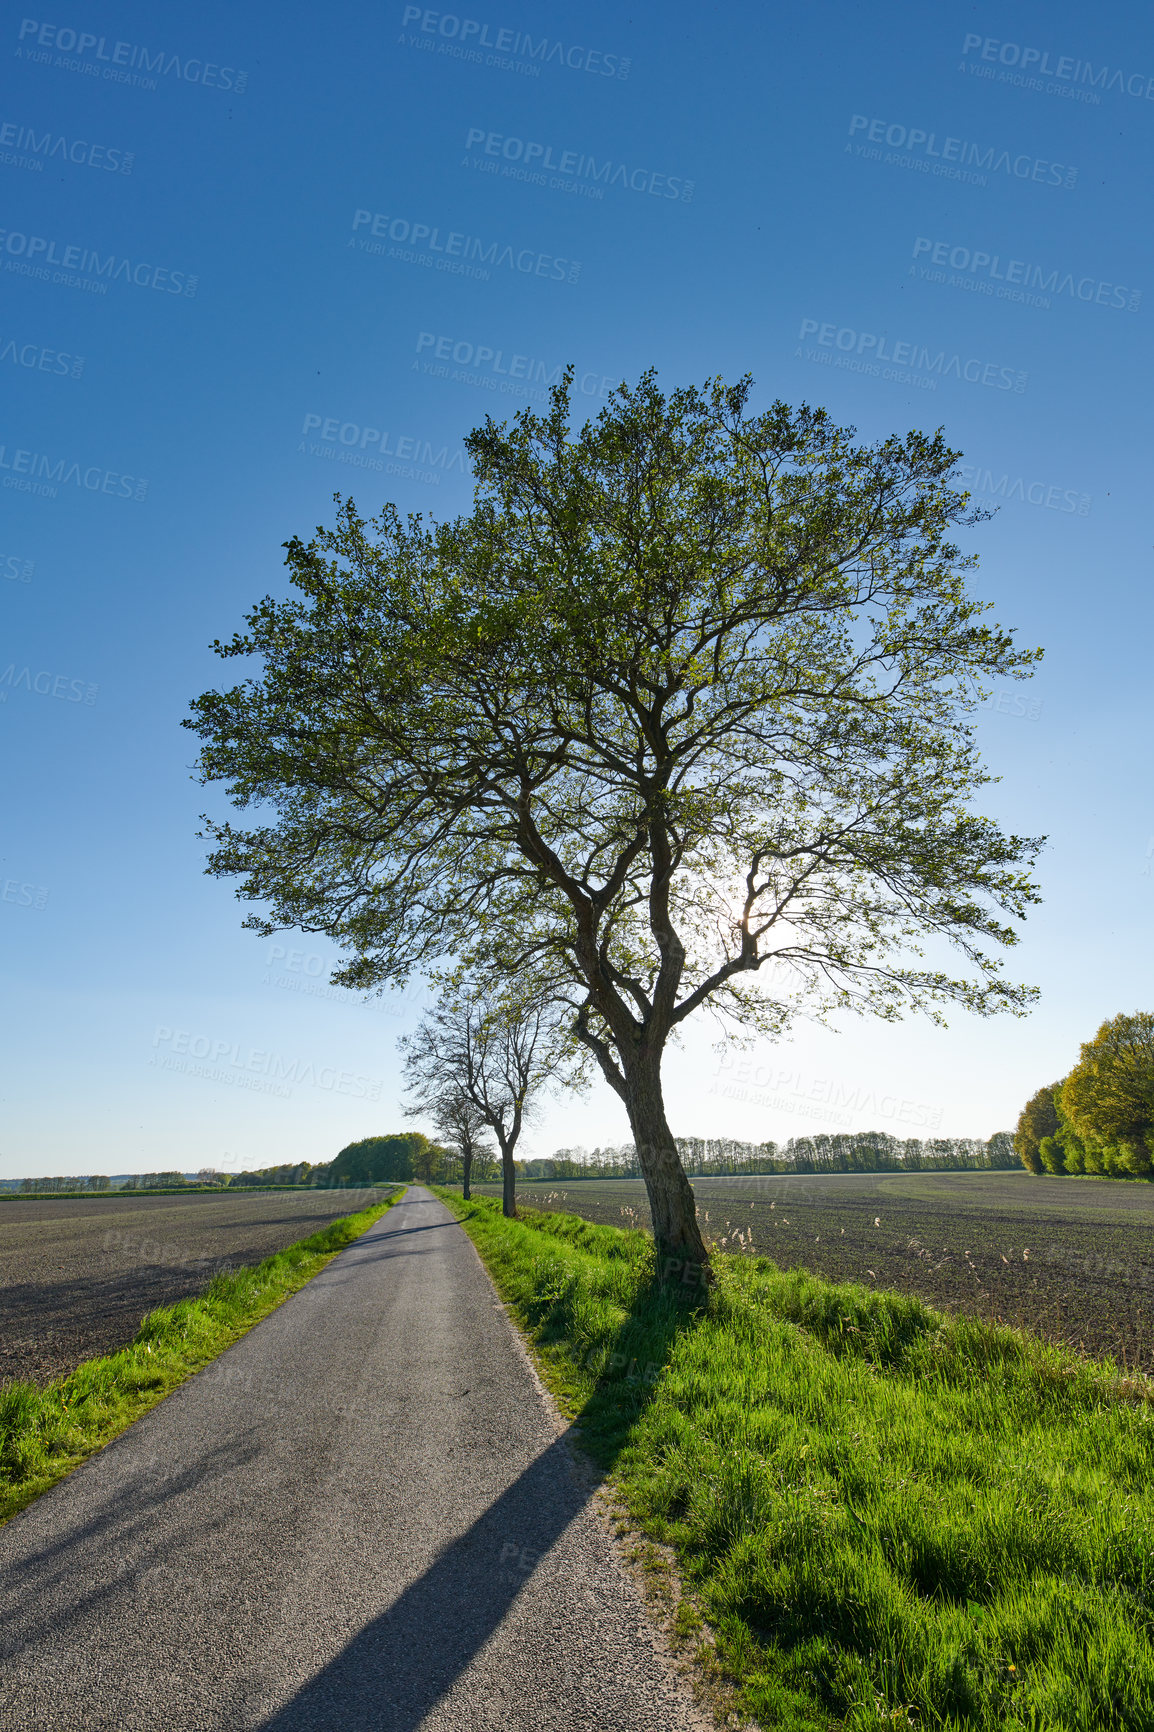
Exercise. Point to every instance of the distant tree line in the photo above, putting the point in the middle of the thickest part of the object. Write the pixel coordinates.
(373, 1160)
(411, 1155)
(406, 1156)
(291, 1173)
(856, 1152)
(297, 1173)
(97, 1182)
(1100, 1118)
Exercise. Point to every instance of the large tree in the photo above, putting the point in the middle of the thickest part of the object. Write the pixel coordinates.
(1108, 1097)
(679, 711)
(492, 1052)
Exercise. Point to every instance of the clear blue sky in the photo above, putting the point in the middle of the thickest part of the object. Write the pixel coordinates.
(265, 231)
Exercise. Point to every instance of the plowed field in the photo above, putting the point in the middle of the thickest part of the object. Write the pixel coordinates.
(1071, 1259)
(76, 1276)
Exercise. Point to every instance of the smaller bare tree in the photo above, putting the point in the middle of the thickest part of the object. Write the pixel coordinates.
(460, 1125)
(494, 1055)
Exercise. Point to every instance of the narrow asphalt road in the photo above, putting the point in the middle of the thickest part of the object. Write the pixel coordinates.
(363, 1515)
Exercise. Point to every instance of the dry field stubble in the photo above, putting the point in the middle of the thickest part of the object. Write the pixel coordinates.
(77, 1276)
(1070, 1259)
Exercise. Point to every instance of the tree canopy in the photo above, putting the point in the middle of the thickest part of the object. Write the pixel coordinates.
(1100, 1118)
(1108, 1097)
(676, 717)
(375, 1160)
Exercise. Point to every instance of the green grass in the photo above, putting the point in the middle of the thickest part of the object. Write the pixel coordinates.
(45, 1433)
(888, 1516)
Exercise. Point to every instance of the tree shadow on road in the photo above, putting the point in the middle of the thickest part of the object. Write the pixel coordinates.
(398, 1667)
(395, 1671)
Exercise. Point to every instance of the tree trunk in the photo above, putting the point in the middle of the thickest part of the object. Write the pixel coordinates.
(507, 1141)
(509, 1185)
(681, 1253)
(466, 1169)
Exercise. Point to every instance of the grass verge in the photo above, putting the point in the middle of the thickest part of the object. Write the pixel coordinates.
(45, 1433)
(888, 1516)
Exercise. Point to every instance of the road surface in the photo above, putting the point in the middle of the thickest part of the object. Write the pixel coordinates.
(363, 1515)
